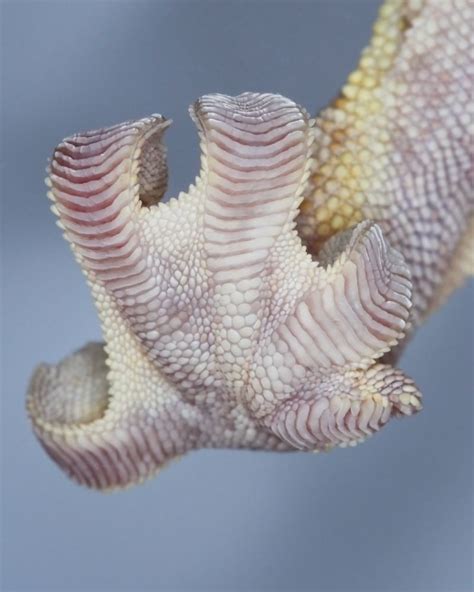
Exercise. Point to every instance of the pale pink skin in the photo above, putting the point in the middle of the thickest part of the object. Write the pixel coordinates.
(221, 329)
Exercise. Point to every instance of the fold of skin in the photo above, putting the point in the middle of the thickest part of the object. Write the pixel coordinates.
(224, 329)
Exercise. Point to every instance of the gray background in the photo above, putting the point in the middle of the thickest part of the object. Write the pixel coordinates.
(393, 514)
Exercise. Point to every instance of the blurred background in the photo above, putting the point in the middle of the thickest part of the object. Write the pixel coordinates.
(393, 514)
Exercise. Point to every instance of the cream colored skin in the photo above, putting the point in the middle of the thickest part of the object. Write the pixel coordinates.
(222, 328)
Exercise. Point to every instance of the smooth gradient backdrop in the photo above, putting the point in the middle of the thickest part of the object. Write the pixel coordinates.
(394, 514)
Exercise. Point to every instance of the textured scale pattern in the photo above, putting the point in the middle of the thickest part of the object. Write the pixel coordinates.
(396, 145)
(263, 308)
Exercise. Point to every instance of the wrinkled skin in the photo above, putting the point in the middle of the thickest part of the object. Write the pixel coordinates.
(264, 308)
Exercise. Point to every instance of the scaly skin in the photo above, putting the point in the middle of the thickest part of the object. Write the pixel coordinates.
(396, 146)
(222, 329)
